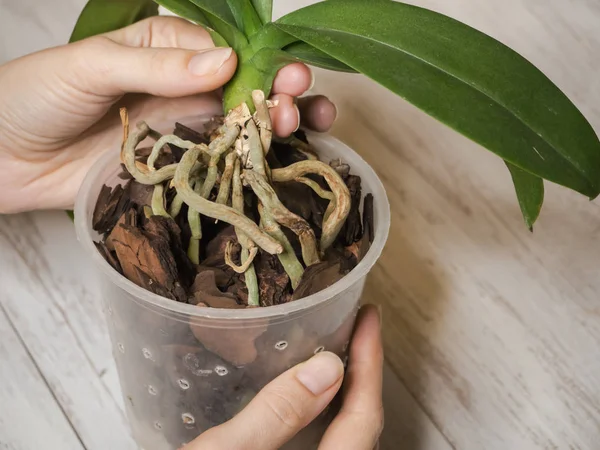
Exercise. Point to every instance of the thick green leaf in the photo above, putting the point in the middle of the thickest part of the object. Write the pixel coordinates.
(221, 19)
(264, 8)
(185, 9)
(245, 16)
(462, 77)
(102, 16)
(530, 193)
(306, 53)
(217, 8)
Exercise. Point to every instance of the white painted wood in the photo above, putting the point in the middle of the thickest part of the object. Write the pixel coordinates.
(42, 306)
(30, 418)
(493, 332)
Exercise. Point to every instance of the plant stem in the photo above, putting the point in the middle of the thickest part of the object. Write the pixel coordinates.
(247, 78)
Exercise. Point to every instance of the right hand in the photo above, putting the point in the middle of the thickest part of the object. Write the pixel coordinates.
(291, 401)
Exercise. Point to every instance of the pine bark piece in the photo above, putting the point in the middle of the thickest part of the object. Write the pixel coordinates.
(273, 281)
(146, 261)
(109, 207)
(140, 194)
(235, 345)
(168, 230)
(318, 277)
(129, 217)
(352, 229)
(215, 250)
(223, 278)
(294, 196)
(109, 256)
(189, 134)
(369, 217)
(205, 292)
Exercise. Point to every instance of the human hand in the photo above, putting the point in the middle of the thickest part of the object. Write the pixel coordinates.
(59, 107)
(290, 402)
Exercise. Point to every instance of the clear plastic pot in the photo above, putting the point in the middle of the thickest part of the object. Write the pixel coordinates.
(175, 384)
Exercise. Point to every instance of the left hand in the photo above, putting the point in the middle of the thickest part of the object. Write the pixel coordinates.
(59, 107)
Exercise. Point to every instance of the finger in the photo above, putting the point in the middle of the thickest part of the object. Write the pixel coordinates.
(161, 32)
(294, 80)
(285, 116)
(317, 112)
(360, 420)
(166, 72)
(279, 411)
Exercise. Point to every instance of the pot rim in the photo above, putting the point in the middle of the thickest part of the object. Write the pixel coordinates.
(85, 232)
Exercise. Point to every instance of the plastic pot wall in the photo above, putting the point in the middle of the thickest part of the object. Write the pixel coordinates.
(184, 369)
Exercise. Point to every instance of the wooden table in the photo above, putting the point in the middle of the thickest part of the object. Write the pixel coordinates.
(492, 333)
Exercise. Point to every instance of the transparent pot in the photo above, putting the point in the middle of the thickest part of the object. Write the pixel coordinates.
(184, 369)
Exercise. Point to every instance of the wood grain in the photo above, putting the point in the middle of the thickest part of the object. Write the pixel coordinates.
(35, 419)
(492, 333)
(53, 319)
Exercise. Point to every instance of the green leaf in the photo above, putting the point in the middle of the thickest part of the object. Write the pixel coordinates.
(264, 8)
(102, 16)
(221, 20)
(245, 16)
(530, 193)
(306, 53)
(185, 9)
(216, 8)
(462, 77)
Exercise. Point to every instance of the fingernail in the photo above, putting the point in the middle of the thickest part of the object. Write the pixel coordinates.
(298, 112)
(210, 61)
(320, 372)
(312, 80)
(335, 118)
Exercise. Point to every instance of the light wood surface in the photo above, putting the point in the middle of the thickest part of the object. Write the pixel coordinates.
(492, 333)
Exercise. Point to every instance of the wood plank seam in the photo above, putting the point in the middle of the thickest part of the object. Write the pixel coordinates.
(39, 371)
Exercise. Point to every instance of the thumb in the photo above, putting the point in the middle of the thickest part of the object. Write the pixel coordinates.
(281, 409)
(107, 68)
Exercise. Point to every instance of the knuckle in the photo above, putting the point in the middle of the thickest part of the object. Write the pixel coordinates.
(164, 31)
(286, 410)
(87, 56)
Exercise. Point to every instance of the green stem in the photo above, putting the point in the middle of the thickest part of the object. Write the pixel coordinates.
(247, 78)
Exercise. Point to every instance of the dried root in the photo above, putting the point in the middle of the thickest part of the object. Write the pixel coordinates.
(246, 265)
(336, 218)
(242, 142)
